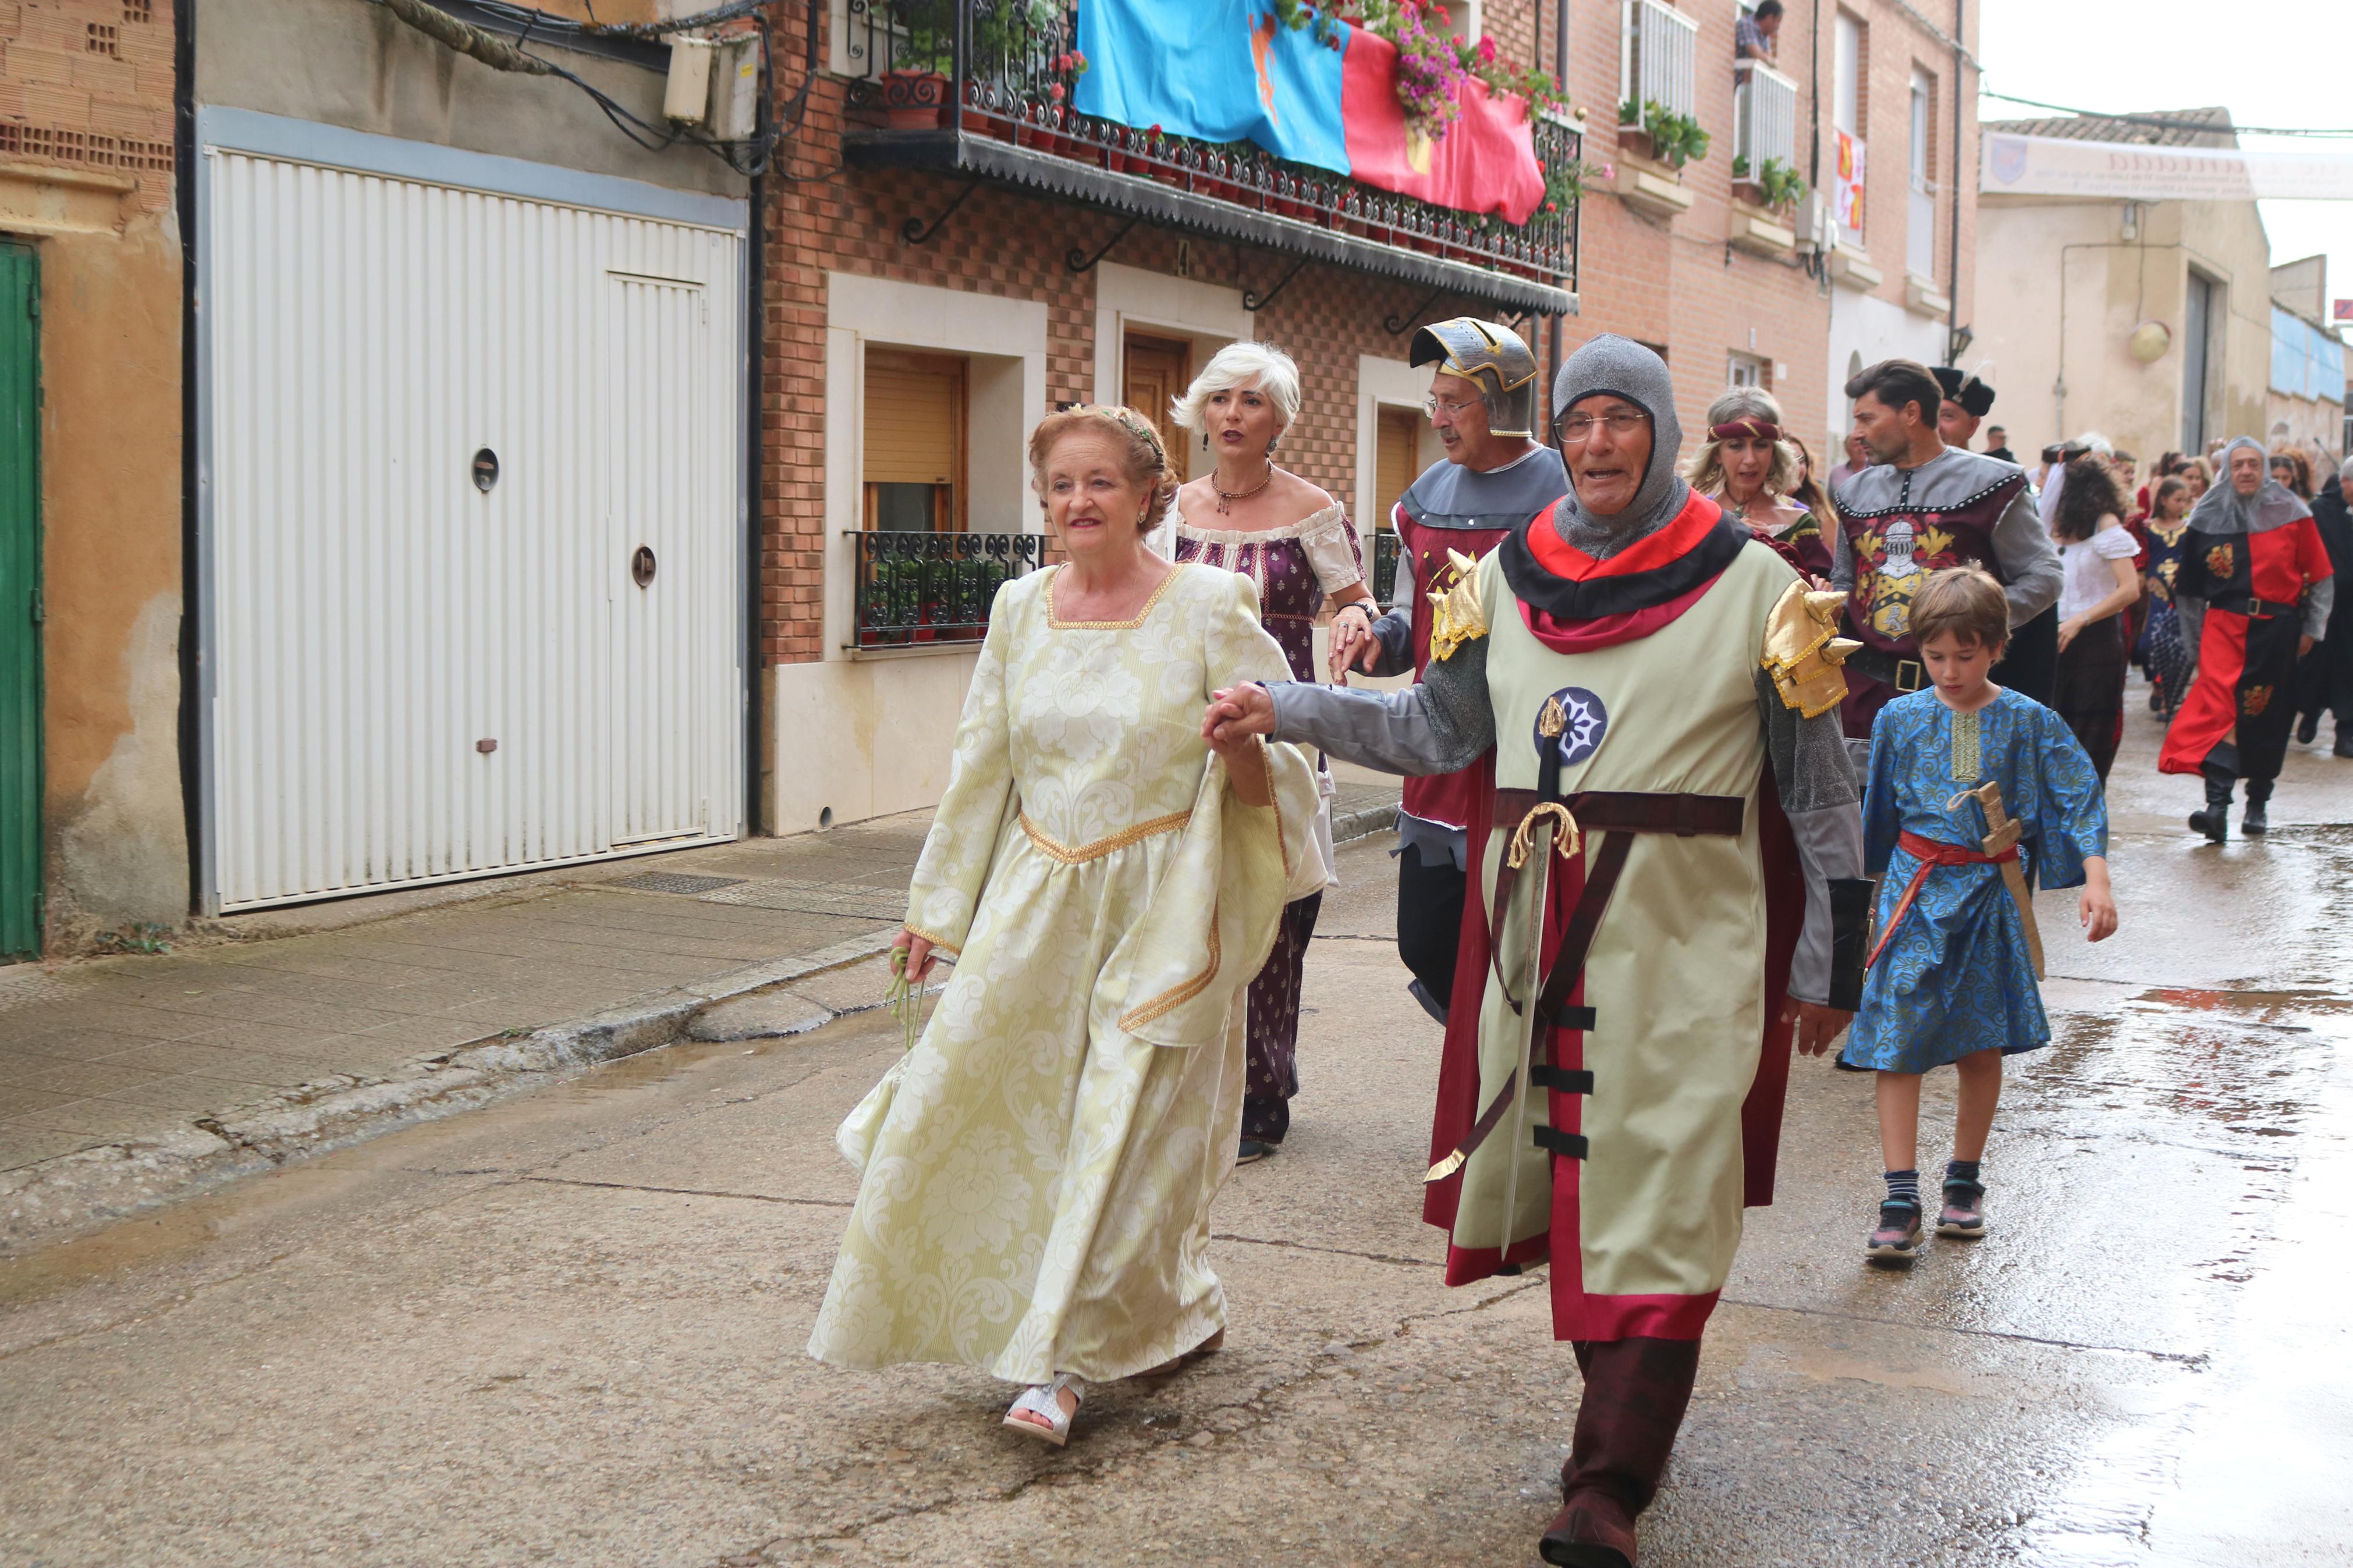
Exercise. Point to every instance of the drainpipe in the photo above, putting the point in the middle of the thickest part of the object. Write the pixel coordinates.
(1560, 75)
(1952, 277)
(184, 165)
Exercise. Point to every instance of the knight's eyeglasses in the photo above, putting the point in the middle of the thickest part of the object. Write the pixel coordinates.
(1578, 429)
(1447, 405)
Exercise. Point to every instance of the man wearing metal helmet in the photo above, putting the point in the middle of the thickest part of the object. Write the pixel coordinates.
(1495, 475)
(1670, 877)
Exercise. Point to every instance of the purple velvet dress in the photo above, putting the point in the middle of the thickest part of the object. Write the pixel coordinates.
(1294, 567)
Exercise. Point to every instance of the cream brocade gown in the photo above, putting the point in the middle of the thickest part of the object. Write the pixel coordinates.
(1038, 1171)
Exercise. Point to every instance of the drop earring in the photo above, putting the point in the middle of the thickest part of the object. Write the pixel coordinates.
(1205, 440)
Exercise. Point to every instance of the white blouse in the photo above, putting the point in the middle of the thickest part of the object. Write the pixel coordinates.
(2088, 578)
(1323, 535)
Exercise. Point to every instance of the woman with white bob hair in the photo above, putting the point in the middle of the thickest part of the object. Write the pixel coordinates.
(1292, 540)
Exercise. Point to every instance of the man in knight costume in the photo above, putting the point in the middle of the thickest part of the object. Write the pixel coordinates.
(1495, 475)
(1668, 874)
(1922, 505)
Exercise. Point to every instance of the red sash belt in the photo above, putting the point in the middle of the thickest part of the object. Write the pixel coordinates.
(1931, 853)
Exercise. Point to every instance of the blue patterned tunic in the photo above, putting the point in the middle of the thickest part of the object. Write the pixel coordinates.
(1957, 977)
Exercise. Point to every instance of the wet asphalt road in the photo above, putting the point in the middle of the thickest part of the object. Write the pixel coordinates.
(568, 1329)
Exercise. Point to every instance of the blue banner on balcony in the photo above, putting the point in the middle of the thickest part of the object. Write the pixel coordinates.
(1229, 71)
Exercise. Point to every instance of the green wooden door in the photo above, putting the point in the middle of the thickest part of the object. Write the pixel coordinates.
(20, 604)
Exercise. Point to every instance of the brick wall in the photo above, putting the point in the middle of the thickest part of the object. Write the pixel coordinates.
(1675, 283)
(1896, 44)
(87, 84)
(1010, 245)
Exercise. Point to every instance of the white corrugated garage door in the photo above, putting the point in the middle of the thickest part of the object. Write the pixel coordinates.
(410, 678)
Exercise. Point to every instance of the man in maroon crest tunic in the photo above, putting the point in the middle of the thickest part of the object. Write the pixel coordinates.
(1923, 506)
(1494, 477)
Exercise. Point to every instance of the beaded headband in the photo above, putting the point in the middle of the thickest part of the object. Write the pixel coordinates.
(1126, 419)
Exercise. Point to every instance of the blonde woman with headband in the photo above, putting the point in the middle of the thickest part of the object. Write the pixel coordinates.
(1295, 544)
(1748, 467)
(1037, 1170)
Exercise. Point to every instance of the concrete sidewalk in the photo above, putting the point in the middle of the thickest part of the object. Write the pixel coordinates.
(127, 1080)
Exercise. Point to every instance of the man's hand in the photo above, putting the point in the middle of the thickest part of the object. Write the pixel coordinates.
(1236, 714)
(1353, 643)
(1817, 1026)
(2303, 647)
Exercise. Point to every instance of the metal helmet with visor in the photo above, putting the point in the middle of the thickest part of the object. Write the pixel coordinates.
(1492, 356)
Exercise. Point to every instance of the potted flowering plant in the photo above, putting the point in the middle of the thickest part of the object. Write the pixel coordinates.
(1773, 185)
(1651, 129)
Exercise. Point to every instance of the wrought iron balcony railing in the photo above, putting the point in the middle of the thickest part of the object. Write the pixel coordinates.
(918, 588)
(999, 69)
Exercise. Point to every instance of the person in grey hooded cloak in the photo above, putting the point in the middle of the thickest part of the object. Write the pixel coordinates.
(1668, 881)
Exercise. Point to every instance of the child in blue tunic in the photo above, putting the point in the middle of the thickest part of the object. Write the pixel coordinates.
(1952, 976)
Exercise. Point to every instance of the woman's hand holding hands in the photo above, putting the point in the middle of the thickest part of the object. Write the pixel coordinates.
(1354, 645)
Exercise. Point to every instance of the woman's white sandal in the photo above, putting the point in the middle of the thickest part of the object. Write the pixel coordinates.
(1045, 1401)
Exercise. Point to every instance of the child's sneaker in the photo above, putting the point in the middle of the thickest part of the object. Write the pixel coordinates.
(1964, 1216)
(1898, 1239)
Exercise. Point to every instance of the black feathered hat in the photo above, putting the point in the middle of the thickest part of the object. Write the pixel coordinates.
(1965, 389)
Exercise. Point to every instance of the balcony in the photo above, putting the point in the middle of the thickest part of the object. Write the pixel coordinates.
(918, 589)
(979, 99)
(1658, 62)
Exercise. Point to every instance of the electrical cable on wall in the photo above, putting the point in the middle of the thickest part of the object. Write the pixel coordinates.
(751, 157)
(2168, 122)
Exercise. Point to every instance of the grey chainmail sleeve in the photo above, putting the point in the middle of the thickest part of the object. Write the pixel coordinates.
(2320, 598)
(1815, 781)
(1437, 727)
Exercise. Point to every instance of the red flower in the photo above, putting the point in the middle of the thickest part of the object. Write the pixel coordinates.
(1055, 92)
(1552, 207)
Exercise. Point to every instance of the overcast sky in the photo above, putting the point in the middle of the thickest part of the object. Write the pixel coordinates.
(2269, 62)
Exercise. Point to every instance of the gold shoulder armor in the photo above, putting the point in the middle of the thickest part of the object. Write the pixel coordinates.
(1455, 618)
(1804, 651)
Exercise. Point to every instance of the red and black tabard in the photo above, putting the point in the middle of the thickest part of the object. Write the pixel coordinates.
(1454, 509)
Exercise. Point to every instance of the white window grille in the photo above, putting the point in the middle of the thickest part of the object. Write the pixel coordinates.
(1920, 226)
(1764, 116)
(1746, 369)
(1658, 58)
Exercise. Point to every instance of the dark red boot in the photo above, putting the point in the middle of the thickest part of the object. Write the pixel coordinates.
(1635, 1394)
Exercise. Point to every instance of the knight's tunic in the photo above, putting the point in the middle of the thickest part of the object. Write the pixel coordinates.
(1642, 678)
(1449, 510)
(1897, 525)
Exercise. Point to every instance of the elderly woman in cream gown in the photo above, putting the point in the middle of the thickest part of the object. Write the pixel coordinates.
(1037, 1171)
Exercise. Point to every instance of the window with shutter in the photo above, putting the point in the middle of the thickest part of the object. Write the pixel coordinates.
(915, 442)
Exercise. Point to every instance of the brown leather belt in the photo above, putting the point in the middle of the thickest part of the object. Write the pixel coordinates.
(1616, 815)
(1623, 811)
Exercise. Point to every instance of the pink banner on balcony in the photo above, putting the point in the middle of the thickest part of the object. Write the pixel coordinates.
(1486, 161)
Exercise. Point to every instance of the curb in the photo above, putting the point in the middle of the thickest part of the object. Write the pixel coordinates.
(51, 1199)
(1350, 826)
